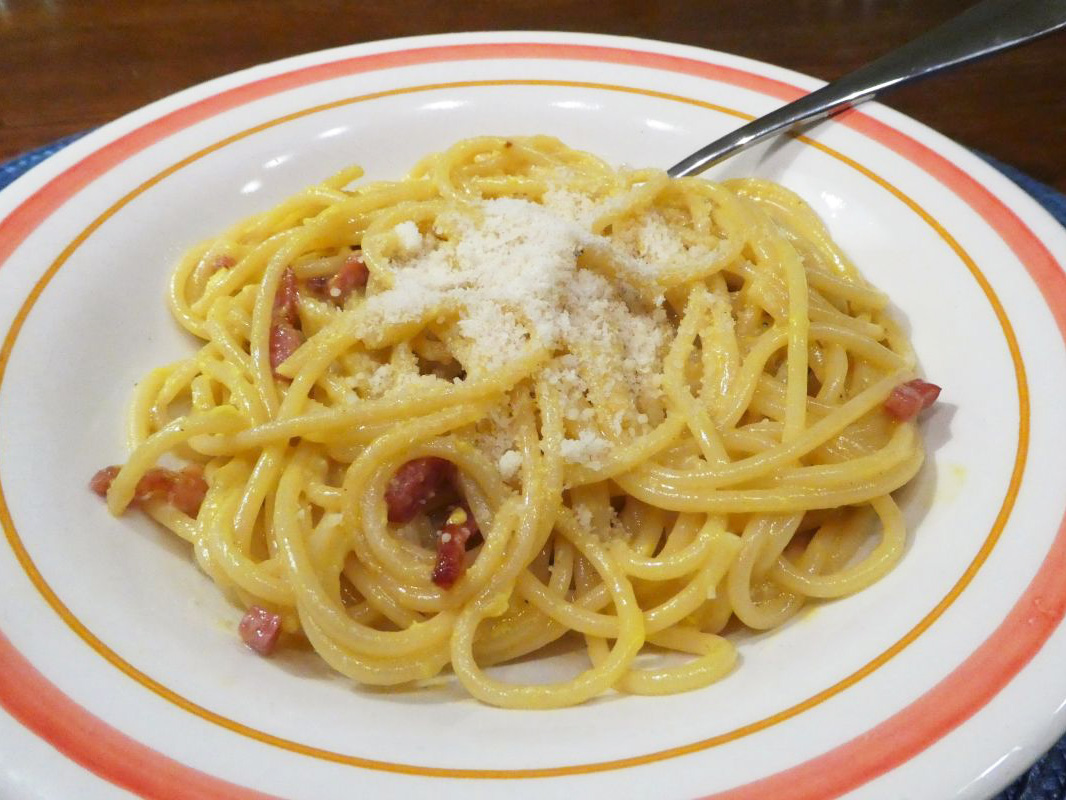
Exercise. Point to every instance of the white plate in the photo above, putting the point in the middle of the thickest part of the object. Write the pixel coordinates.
(943, 680)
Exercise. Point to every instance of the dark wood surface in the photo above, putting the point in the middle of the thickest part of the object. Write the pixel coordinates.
(67, 65)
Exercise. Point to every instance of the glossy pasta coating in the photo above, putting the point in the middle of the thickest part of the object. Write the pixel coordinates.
(668, 415)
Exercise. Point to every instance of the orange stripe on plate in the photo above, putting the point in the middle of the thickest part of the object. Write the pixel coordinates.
(17, 225)
(728, 736)
(940, 710)
(1045, 271)
(1036, 615)
(35, 702)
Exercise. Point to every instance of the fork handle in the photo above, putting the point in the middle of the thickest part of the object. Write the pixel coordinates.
(981, 30)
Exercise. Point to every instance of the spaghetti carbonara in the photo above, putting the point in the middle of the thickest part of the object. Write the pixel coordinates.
(442, 422)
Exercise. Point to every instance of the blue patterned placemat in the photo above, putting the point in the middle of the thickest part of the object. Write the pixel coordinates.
(1046, 779)
(12, 169)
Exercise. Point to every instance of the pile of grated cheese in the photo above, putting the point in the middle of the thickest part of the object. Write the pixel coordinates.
(506, 275)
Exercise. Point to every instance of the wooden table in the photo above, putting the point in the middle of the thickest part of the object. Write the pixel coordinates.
(68, 65)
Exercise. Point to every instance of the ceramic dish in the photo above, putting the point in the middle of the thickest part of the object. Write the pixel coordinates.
(119, 669)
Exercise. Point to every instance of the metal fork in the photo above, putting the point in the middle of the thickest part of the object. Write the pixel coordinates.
(984, 29)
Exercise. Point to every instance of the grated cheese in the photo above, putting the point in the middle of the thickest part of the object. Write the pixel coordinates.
(509, 463)
(584, 517)
(504, 275)
(578, 207)
(408, 236)
(494, 435)
(656, 242)
(589, 448)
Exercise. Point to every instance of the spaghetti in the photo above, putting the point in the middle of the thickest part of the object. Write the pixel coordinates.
(449, 420)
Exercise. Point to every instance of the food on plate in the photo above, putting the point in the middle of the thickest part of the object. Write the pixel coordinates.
(520, 395)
